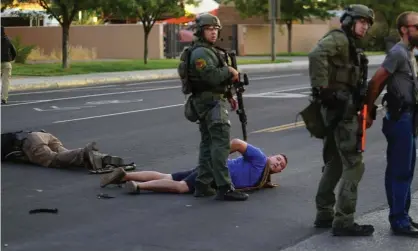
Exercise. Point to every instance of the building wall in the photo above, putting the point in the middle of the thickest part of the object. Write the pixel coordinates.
(125, 41)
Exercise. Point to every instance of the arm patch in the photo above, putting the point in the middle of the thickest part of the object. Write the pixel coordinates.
(200, 64)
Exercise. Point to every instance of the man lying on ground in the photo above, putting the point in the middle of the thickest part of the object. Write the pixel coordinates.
(250, 171)
(44, 149)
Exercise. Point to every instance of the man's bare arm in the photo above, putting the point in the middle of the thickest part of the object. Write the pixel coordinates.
(237, 145)
(376, 86)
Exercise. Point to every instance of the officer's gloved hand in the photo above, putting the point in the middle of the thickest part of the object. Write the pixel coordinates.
(327, 97)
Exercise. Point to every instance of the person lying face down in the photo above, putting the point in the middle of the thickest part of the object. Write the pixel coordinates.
(249, 171)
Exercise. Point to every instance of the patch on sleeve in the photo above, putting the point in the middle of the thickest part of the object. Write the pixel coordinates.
(200, 63)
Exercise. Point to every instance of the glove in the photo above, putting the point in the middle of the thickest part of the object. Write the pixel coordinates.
(234, 103)
(373, 112)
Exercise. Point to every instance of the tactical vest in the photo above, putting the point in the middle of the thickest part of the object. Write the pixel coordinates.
(189, 81)
(344, 68)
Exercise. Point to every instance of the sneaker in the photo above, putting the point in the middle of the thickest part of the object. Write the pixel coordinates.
(114, 177)
(132, 187)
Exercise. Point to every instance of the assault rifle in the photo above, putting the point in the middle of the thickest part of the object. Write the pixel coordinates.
(238, 88)
(362, 107)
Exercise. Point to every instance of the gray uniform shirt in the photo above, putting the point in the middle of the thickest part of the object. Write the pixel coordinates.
(400, 82)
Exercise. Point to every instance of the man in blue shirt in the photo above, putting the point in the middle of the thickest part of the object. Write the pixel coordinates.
(250, 171)
(400, 123)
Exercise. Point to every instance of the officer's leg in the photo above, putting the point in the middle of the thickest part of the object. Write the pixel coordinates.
(353, 170)
(399, 168)
(219, 129)
(325, 197)
(219, 153)
(205, 176)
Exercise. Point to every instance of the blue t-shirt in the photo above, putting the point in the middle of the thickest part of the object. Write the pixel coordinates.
(247, 170)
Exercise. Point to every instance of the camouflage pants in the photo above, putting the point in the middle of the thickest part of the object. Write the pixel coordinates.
(342, 164)
(214, 144)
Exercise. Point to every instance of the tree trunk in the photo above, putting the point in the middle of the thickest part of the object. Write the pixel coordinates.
(146, 33)
(65, 40)
(289, 36)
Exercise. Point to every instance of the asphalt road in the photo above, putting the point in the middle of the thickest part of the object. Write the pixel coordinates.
(144, 123)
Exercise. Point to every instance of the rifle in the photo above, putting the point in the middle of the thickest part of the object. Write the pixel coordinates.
(238, 88)
(362, 107)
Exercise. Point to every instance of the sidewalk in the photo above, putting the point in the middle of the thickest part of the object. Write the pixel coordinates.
(36, 83)
(383, 240)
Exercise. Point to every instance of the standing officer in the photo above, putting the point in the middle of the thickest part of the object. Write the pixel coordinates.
(8, 54)
(208, 76)
(334, 72)
(399, 124)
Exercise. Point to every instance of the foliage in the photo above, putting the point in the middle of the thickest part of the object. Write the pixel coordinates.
(22, 51)
(290, 10)
(147, 11)
(65, 11)
(7, 4)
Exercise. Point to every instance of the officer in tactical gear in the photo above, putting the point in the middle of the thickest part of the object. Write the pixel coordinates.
(335, 72)
(205, 75)
(44, 149)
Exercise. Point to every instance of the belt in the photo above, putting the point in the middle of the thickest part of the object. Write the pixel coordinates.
(209, 94)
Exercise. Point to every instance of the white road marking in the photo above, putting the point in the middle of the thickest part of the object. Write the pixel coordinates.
(56, 108)
(123, 92)
(250, 79)
(277, 95)
(119, 113)
(116, 101)
(279, 76)
(62, 90)
(93, 95)
(152, 82)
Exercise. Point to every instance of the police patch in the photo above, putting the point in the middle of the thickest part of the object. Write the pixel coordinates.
(200, 63)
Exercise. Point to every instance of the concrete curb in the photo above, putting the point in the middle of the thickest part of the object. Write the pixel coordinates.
(42, 83)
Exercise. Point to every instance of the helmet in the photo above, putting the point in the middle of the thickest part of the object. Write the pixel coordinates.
(355, 11)
(206, 20)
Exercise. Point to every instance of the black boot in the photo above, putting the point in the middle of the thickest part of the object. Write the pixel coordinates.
(413, 223)
(406, 231)
(229, 194)
(203, 190)
(354, 230)
(323, 223)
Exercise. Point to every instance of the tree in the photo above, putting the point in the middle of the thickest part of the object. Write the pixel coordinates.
(148, 12)
(7, 4)
(64, 11)
(290, 10)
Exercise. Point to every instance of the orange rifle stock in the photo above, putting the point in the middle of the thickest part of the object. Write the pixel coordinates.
(363, 128)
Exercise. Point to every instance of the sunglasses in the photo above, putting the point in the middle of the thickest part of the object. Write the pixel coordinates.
(413, 25)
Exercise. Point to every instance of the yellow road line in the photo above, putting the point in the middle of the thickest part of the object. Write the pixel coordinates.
(281, 127)
(290, 125)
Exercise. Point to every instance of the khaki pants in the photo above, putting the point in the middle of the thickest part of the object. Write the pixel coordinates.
(46, 150)
(6, 73)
